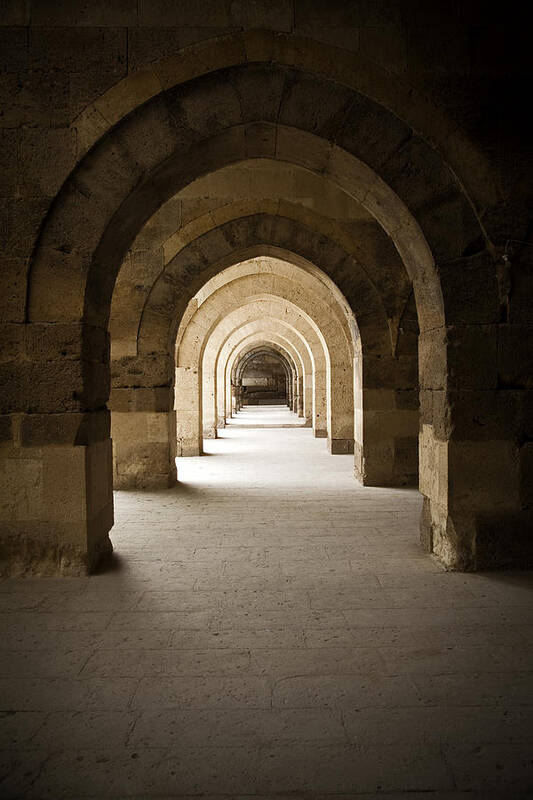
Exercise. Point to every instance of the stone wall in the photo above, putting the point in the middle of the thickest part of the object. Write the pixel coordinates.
(118, 121)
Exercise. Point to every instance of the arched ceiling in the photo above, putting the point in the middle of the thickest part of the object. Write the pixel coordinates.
(258, 185)
(273, 274)
(142, 164)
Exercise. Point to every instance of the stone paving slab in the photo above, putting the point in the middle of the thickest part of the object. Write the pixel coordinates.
(268, 629)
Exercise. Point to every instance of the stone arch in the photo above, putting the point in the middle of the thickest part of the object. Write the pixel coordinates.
(128, 174)
(261, 235)
(267, 316)
(217, 399)
(375, 266)
(302, 53)
(279, 334)
(328, 334)
(244, 361)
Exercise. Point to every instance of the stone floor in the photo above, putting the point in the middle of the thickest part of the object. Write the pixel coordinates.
(266, 417)
(269, 629)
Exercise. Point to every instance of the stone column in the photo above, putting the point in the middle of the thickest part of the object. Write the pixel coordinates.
(55, 454)
(320, 405)
(340, 411)
(300, 396)
(143, 429)
(475, 456)
(476, 409)
(386, 424)
(308, 400)
(209, 407)
(188, 406)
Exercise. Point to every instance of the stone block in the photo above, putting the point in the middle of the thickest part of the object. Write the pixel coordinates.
(144, 371)
(482, 415)
(504, 540)
(470, 290)
(14, 49)
(38, 430)
(156, 399)
(66, 302)
(62, 13)
(378, 459)
(67, 341)
(57, 509)
(354, 14)
(433, 466)
(406, 399)
(12, 342)
(99, 468)
(526, 474)
(382, 371)
(206, 107)
(515, 356)
(483, 475)
(260, 88)
(340, 446)
(472, 356)
(21, 220)
(9, 158)
(64, 489)
(159, 227)
(153, 135)
(389, 423)
(260, 140)
(143, 465)
(46, 158)
(313, 104)
(21, 485)
(302, 148)
(276, 15)
(15, 12)
(165, 13)
(87, 49)
(426, 527)
(42, 388)
(6, 429)
(419, 176)
(35, 97)
(385, 44)
(152, 44)
(406, 460)
(370, 132)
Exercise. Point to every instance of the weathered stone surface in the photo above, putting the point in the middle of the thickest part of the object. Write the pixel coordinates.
(267, 660)
(117, 123)
(57, 508)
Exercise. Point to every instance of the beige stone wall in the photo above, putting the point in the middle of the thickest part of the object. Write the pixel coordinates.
(402, 184)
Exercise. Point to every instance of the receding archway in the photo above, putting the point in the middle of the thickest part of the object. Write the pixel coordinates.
(92, 228)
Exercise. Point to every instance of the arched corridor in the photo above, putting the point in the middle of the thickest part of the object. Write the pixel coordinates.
(266, 399)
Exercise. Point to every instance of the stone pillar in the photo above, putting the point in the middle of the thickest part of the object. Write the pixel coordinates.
(476, 412)
(340, 411)
(143, 430)
(300, 396)
(56, 506)
(475, 454)
(188, 406)
(209, 415)
(386, 421)
(308, 400)
(239, 395)
(320, 405)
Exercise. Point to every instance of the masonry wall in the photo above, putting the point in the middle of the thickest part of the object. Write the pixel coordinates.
(464, 63)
